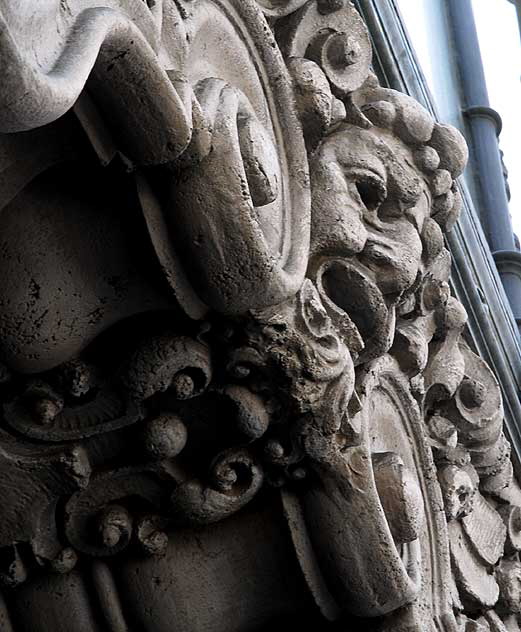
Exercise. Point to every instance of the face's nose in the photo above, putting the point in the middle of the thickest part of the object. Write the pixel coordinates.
(337, 227)
(393, 253)
(394, 248)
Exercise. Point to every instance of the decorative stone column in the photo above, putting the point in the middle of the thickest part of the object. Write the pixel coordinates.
(234, 387)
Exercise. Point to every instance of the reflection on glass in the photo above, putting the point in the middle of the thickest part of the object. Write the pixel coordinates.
(418, 22)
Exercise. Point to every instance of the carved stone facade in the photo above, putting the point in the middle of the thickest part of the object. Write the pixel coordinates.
(234, 386)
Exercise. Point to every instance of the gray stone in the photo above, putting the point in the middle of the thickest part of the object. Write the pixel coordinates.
(235, 391)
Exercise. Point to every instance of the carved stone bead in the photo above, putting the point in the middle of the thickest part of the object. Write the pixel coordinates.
(451, 147)
(165, 436)
(233, 384)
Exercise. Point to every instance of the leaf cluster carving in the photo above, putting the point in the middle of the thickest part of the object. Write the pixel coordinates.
(297, 215)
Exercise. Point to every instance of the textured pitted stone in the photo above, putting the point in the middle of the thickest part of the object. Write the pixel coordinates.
(233, 383)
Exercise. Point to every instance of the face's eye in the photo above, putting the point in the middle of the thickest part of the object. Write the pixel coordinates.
(372, 191)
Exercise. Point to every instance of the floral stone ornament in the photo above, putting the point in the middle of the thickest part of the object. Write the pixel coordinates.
(234, 387)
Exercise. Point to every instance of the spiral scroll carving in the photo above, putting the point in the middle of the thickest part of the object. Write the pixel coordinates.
(267, 322)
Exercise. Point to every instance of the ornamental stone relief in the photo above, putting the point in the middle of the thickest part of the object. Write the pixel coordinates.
(234, 387)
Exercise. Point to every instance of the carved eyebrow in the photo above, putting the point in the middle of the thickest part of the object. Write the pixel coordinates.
(364, 168)
(368, 153)
(368, 173)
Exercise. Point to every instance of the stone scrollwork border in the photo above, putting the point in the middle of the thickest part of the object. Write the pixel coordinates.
(305, 345)
(475, 281)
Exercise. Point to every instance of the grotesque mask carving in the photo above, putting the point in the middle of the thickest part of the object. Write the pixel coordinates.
(281, 331)
(458, 491)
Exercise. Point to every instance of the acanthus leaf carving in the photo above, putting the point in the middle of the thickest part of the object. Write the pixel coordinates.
(331, 363)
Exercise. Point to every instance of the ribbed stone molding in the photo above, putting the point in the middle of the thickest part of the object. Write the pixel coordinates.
(235, 390)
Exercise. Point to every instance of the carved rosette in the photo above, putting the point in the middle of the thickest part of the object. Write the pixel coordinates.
(231, 285)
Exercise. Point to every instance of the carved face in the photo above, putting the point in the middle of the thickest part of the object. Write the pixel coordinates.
(369, 205)
(458, 491)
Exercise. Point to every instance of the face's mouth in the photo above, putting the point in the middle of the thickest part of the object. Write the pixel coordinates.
(357, 306)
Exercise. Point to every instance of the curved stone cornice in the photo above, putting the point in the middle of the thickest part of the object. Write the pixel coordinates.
(233, 373)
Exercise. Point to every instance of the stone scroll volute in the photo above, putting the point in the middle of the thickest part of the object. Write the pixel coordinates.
(226, 300)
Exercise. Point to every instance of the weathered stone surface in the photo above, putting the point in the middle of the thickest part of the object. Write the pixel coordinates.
(233, 383)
